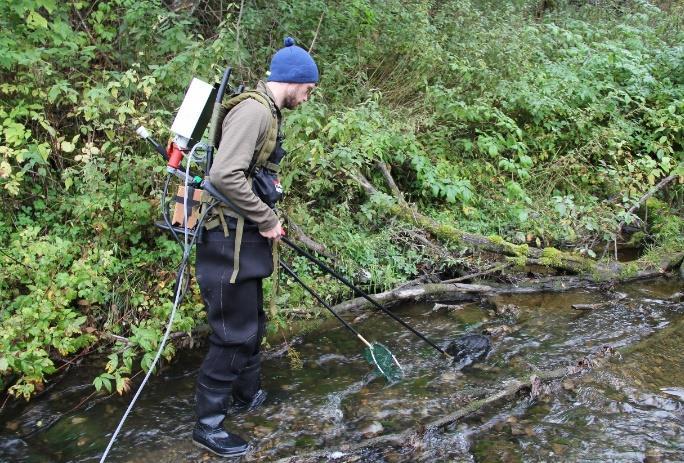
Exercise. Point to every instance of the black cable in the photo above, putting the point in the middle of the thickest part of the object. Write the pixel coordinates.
(165, 210)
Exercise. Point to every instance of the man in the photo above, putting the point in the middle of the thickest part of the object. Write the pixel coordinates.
(235, 256)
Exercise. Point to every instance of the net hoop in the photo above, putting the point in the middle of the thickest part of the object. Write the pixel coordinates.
(386, 372)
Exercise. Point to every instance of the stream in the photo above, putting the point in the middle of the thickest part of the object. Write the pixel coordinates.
(629, 410)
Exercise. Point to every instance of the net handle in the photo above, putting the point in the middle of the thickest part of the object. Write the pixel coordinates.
(363, 294)
(363, 340)
(291, 272)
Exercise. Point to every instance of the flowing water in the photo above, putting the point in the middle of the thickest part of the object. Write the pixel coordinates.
(630, 409)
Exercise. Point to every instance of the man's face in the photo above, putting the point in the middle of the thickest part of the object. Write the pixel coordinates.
(297, 94)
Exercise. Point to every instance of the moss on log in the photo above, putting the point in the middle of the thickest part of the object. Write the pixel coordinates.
(520, 254)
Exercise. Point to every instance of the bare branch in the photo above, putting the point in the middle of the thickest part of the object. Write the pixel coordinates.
(494, 269)
(307, 241)
(385, 169)
(662, 184)
(237, 33)
(318, 28)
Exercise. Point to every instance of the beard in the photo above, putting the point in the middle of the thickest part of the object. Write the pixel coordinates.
(290, 101)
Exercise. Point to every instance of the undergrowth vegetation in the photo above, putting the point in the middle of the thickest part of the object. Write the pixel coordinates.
(542, 127)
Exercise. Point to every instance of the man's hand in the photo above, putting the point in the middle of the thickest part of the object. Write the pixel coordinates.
(274, 233)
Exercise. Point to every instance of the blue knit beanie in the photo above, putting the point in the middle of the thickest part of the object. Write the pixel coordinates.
(293, 64)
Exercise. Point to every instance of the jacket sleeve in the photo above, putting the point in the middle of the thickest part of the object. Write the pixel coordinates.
(243, 133)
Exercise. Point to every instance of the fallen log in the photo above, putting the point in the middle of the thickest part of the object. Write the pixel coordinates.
(385, 170)
(662, 184)
(599, 305)
(462, 292)
(307, 241)
(454, 292)
(496, 268)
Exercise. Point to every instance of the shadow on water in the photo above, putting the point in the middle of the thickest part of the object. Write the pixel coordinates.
(627, 411)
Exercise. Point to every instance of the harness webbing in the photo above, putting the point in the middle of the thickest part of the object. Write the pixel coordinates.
(260, 160)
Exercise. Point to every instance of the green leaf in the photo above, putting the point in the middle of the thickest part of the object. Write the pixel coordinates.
(36, 21)
(68, 147)
(120, 384)
(53, 94)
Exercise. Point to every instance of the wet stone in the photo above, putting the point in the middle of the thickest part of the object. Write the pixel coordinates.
(518, 430)
(676, 297)
(507, 310)
(674, 391)
(653, 456)
(327, 358)
(260, 431)
(469, 349)
(12, 425)
(498, 331)
(447, 307)
(448, 376)
(559, 449)
(372, 429)
(382, 414)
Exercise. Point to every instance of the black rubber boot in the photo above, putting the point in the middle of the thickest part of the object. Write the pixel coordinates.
(258, 399)
(247, 392)
(209, 433)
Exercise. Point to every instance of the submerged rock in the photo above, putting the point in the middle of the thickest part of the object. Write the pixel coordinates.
(469, 349)
(498, 331)
(372, 429)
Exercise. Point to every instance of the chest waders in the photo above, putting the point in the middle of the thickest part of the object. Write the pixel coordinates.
(231, 262)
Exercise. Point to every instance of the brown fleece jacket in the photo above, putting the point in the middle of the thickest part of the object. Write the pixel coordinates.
(243, 134)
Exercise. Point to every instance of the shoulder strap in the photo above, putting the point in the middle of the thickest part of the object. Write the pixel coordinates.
(269, 145)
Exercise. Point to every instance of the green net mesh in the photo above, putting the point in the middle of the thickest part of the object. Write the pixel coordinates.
(384, 361)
